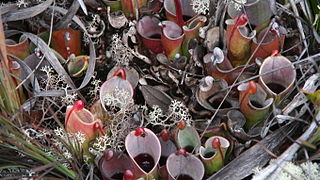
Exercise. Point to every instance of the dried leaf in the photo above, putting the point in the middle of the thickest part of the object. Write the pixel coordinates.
(83, 6)
(66, 19)
(154, 96)
(26, 71)
(7, 7)
(20, 14)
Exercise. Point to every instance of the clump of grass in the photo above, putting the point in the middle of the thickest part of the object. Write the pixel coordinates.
(9, 97)
(31, 153)
(25, 154)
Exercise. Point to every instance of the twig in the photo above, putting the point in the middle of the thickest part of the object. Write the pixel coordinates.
(136, 9)
(67, 18)
(286, 156)
(299, 24)
(275, 168)
(221, 23)
(288, 5)
(256, 156)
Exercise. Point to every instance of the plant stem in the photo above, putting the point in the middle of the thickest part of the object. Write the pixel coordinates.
(179, 17)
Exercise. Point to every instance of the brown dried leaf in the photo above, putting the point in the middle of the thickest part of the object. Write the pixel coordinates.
(154, 96)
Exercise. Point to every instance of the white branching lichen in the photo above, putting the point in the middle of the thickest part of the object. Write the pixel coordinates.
(238, 4)
(121, 107)
(304, 171)
(54, 81)
(63, 150)
(22, 3)
(291, 171)
(118, 99)
(33, 134)
(121, 53)
(95, 30)
(156, 116)
(200, 6)
(74, 140)
(86, 39)
(177, 111)
(14, 171)
(96, 88)
(102, 143)
(68, 99)
(94, 24)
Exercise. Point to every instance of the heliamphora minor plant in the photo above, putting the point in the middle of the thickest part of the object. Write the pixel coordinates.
(239, 40)
(213, 153)
(144, 150)
(254, 103)
(176, 33)
(277, 76)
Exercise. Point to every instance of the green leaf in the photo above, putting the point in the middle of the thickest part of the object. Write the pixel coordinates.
(313, 97)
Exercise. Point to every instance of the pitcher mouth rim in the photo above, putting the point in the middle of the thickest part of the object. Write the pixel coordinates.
(157, 159)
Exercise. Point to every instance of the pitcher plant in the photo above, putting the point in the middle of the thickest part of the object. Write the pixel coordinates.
(210, 94)
(188, 139)
(79, 119)
(277, 76)
(254, 103)
(267, 41)
(218, 65)
(213, 153)
(239, 40)
(182, 166)
(259, 12)
(167, 148)
(66, 42)
(117, 82)
(150, 32)
(179, 11)
(191, 31)
(172, 38)
(20, 49)
(144, 150)
(113, 165)
(236, 122)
